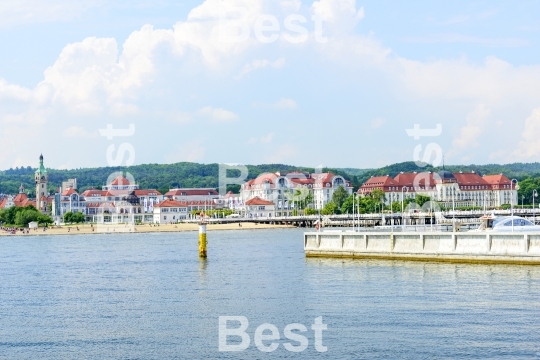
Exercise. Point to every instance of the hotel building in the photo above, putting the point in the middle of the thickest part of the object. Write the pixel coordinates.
(280, 189)
(459, 189)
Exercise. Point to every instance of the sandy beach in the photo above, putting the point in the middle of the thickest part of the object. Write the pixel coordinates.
(114, 229)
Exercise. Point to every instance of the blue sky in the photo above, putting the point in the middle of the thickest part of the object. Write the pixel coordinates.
(69, 68)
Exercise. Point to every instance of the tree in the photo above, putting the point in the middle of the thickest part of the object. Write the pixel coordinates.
(378, 195)
(422, 199)
(68, 218)
(347, 206)
(329, 209)
(339, 196)
(78, 217)
(396, 206)
(44, 219)
(310, 211)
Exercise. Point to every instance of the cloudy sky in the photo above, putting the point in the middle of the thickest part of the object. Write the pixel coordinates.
(341, 97)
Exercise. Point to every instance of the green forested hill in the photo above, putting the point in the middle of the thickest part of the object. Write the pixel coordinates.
(166, 176)
(149, 176)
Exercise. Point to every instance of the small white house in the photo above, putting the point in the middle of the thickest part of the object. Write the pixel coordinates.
(260, 208)
(170, 211)
(33, 225)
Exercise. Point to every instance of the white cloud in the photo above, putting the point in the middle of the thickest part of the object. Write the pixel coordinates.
(377, 122)
(180, 117)
(261, 64)
(99, 77)
(285, 104)
(218, 114)
(14, 92)
(460, 38)
(341, 15)
(470, 133)
(529, 147)
(284, 153)
(191, 151)
(79, 133)
(267, 139)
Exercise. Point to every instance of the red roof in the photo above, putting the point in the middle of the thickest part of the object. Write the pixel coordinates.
(296, 178)
(192, 192)
(258, 201)
(3, 202)
(170, 203)
(93, 192)
(120, 180)
(69, 192)
(150, 192)
(497, 179)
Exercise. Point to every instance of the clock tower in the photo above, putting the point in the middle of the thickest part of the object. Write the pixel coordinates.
(42, 179)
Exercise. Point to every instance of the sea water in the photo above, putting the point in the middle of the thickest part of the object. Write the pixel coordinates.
(148, 296)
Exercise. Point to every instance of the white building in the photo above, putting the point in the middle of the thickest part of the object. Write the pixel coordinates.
(118, 202)
(170, 212)
(286, 190)
(260, 208)
(449, 189)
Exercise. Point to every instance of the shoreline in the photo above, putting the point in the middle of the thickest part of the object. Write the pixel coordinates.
(139, 229)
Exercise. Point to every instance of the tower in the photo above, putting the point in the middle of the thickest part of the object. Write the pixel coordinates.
(42, 179)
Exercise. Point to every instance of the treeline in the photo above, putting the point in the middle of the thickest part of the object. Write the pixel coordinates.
(149, 176)
(192, 175)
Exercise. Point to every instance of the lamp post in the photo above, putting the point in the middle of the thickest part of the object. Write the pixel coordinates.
(514, 181)
(402, 210)
(534, 194)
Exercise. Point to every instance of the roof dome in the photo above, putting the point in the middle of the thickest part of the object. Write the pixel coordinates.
(446, 176)
(132, 199)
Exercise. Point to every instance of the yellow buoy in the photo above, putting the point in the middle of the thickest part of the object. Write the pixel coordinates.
(202, 241)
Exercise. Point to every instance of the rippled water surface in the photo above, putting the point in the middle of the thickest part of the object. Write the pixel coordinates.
(148, 296)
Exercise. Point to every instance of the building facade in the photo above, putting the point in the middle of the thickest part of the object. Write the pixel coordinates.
(170, 212)
(457, 189)
(260, 208)
(287, 190)
(118, 202)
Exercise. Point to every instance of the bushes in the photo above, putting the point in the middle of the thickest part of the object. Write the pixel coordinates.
(71, 217)
(21, 216)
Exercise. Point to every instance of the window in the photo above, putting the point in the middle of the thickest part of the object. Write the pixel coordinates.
(165, 218)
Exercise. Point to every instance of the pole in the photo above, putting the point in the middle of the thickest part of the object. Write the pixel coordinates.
(453, 211)
(391, 212)
(353, 225)
(535, 194)
(512, 200)
(202, 240)
(402, 210)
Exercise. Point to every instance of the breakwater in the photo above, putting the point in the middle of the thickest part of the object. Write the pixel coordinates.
(511, 248)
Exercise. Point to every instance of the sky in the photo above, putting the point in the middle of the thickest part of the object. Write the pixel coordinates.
(339, 92)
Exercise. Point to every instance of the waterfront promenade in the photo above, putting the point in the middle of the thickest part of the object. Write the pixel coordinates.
(147, 228)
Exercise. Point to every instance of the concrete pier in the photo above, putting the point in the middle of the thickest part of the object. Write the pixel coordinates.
(506, 248)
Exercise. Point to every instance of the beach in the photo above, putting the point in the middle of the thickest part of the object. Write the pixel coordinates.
(146, 228)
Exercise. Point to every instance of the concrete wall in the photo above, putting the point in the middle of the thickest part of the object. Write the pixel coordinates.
(516, 248)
